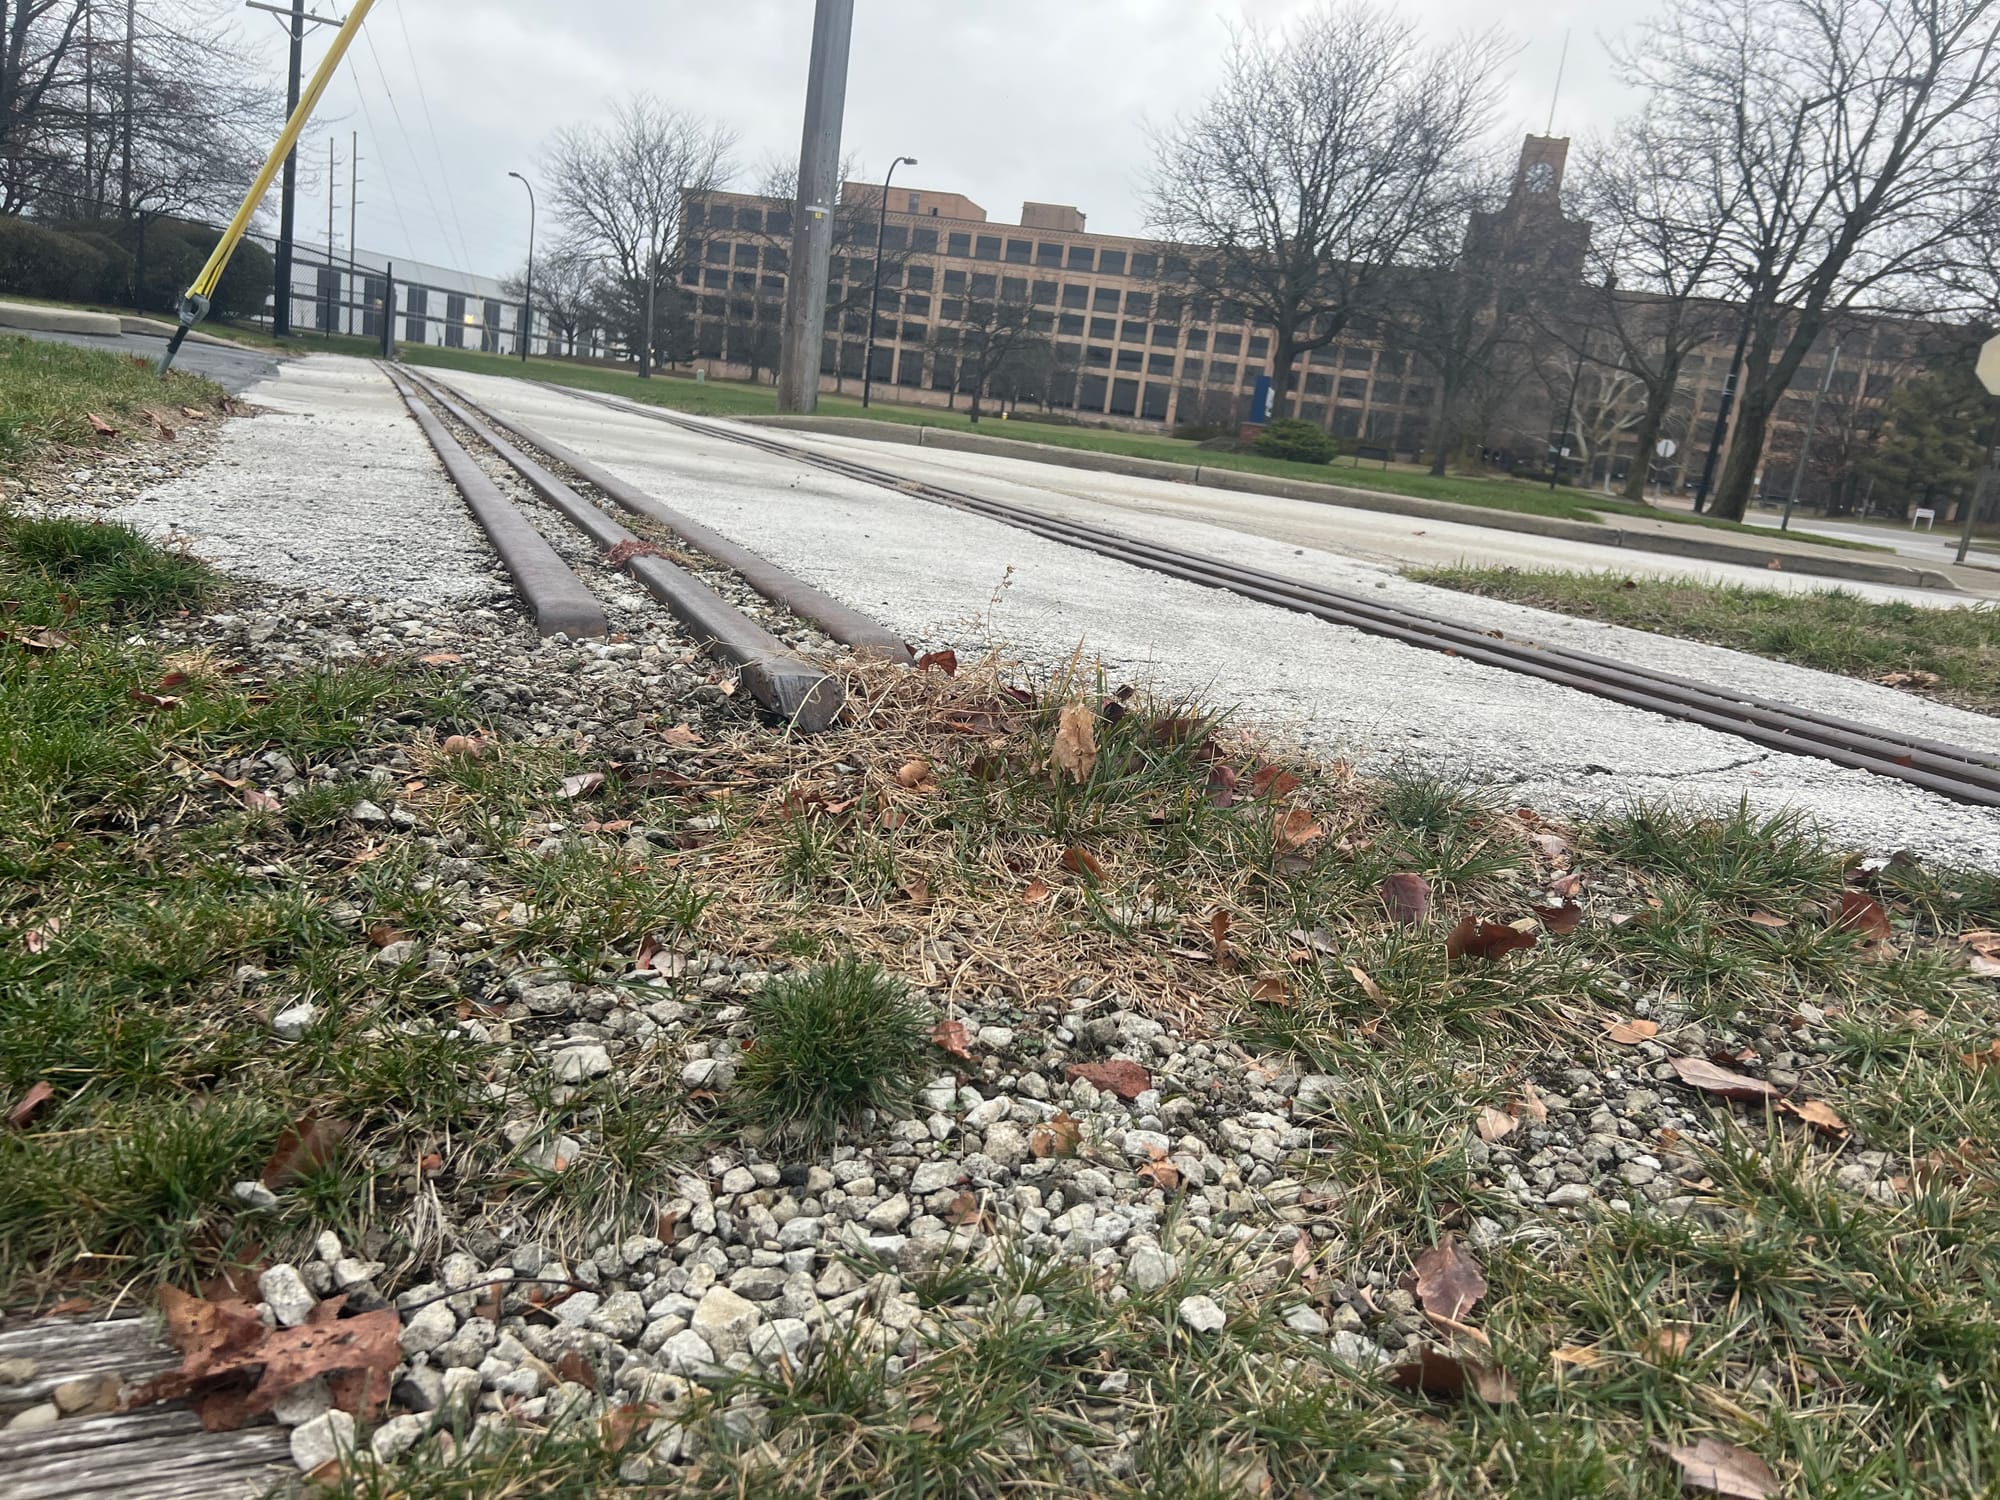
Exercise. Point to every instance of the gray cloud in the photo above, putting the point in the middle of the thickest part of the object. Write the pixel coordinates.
(1032, 99)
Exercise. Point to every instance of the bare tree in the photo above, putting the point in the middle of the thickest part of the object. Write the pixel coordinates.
(39, 42)
(993, 336)
(1323, 152)
(1838, 137)
(566, 291)
(1658, 265)
(620, 189)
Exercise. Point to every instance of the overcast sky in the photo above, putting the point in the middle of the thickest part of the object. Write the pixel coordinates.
(1002, 100)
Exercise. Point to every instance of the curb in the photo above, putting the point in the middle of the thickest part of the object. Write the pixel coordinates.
(58, 320)
(777, 677)
(553, 594)
(1856, 570)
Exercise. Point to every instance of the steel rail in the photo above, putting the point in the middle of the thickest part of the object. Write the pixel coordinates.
(1952, 771)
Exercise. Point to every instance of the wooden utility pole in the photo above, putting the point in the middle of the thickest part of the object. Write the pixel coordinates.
(281, 291)
(812, 215)
(125, 167)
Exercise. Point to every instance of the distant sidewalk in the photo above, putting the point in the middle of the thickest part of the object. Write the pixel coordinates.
(1638, 532)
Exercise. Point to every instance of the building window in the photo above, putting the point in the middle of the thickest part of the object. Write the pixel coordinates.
(1313, 412)
(917, 305)
(916, 202)
(1145, 266)
(1080, 258)
(1229, 343)
(895, 237)
(924, 241)
(416, 327)
(1072, 325)
(1353, 388)
(1132, 333)
(1014, 288)
(1221, 374)
(721, 216)
(1020, 252)
(958, 244)
(1041, 322)
(1197, 338)
(1260, 347)
(1166, 335)
(1356, 359)
(1346, 422)
(714, 280)
(910, 367)
(1076, 295)
(1124, 398)
(1097, 356)
(1319, 385)
(1130, 359)
(984, 283)
(914, 333)
(1191, 369)
(1153, 405)
(1090, 393)
(750, 220)
(777, 258)
(1045, 294)
(951, 309)
(986, 247)
(920, 278)
(1159, 364)
(1111, 263)
(1105, 299)
(746, 255)
(944, 373)
(1048, 253)
(716, 252)
(850, 359)
(1323, 356)
(1138, 304)
(954, 281)
(1104, 328)
(454, 317)
(1418, 395)
(1381, 425)
(1388, 393)
(883, 365)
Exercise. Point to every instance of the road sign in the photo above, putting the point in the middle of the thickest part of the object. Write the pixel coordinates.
(1666, 448)
(1988, 368)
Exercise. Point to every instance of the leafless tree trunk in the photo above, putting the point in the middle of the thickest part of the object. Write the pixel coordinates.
(1305, 176)
(620, 191)
(1840, 137)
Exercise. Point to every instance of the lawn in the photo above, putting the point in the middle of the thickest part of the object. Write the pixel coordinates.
(50, 392)
(1417, 1058)
(1949, 654)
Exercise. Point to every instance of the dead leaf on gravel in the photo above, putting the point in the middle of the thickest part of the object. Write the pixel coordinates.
(1819, 1115)
(440, 659)
(382, 934)
(1448, 1280)
(1700, 1073)
(945, 661)
(576, 786)
(1566, 887)
(1531, 1104)
(950, 1036)
(153, 700)
(1577, 1356)
(1629, 1032)
(1718, 1468)
(466, 746)
(1076, 741)
(621, 1424)
(1406, 896)
(1082, 862)
(29, 1105)
(1863, 914)
(1271, 989)
(1561, 920)
(1058, 1137)
(1491, 941)
(1319, 941)
(1128, 1080)
(1441, 1372)
(234, 1368)
(1494, 1124)
(1550, 846)
(99, 426)
(1982, 940)
(258, 801)
(1218, 936)
(1270, 781)
(303, 1148)
(1162, 1173)
(681, 735)
(1293, 830)
(914, 774)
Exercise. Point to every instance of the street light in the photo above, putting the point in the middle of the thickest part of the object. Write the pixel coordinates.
(875, 294)
(528, 290)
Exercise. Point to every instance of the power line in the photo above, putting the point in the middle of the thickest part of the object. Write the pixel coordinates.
(374, 135)
(423, 97)
(403, 131)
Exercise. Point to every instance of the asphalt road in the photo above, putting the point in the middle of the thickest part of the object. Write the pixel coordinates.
(233, 368)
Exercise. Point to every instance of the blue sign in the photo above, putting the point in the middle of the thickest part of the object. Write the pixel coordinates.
(1260, 402)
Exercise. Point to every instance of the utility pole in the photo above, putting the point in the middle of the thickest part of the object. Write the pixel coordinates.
(90, 114)
(528, 287)
(125, 168)
(353, 202)
(332, 182)
(875, 287)
(804, 330)
(281, 302)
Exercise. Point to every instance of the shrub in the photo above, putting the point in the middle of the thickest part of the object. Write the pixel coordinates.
(830, 1042)
(1201, 432)
(37, 261)
(1300, 442)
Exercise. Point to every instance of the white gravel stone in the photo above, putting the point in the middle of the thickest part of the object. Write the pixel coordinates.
(1202, 1314)
(397, 1436)
(294, 1021)
(1151, 1268)
(933, 1175)
(322, 1440)
(578, 1064)
(689, 1355)
(725, 1321)
(252, 1194)
(784, 1338)
(290, 1298)
(428, 1328)
(34, 1418)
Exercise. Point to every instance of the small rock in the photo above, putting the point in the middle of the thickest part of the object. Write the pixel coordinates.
(889, 1214)
(1352, 1349)
(294, 1021)
(783, 1339)
(1151, 1268)
(577, 1064)
(933, 1175)
(1201, 1314)
(290, 1298)
(17, 1371)
(1568, 1195)
(621, 1316)
(253, 1195)
(322, 1440)
(688, 1354)
(428, 1328)
(35, 1417)
(303, 1402)
(365, 811)
(725, 1320)
(1305, 1320)
(397, 1436)
(390, 955)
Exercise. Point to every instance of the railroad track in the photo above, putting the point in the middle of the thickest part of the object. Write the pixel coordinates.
(1953, 771)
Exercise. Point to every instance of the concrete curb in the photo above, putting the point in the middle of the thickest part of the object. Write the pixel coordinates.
(58, 320)
(153, 328)
(780, 679)
(553, 594)
(839, 620)
(1696, 545)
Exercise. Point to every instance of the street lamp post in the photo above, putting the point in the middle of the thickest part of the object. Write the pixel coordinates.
(528, 290)
(1805, 441)
(875, 293)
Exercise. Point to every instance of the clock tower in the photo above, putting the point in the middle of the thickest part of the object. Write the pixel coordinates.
(1530, 230)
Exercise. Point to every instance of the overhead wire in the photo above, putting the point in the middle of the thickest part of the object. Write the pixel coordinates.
(437, 151)
(403, 131)
(375, 140)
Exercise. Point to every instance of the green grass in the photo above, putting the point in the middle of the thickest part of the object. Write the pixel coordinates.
(48, 392)
(1831, 629)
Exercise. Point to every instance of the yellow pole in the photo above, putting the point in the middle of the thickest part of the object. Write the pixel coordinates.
(194, 306)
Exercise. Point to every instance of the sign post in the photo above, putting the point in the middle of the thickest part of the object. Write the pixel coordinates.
(1988, 371)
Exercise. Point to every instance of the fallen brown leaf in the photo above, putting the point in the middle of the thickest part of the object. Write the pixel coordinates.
(951, 1037)
(1561, 920)
(1037, 891)
(945, 661)
(1719, 1468)
(466, 746)
(1531, 1104)
(1270, 989)
(1863, 914)
(29, 1104)
(1494, 1124)
(1407, 897)
(1058, 1137)
(1767, 919)
(1270, 781)
(914, 773)
(1491, 941)
(1076, 741)
(1660, 1344)
(1218, 935)
(576, 786)
(1630, 1031)
(99, 426)
(1448, 1280)
(1127, 1079)
(1700, 1073)
(1819, 1115)
(1361, 977)
(1162, 1173)
(1443, 1372)
(1293, 830)
(1577, 1356)
(304, 1147)
(682, 736)
(1082, 862)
